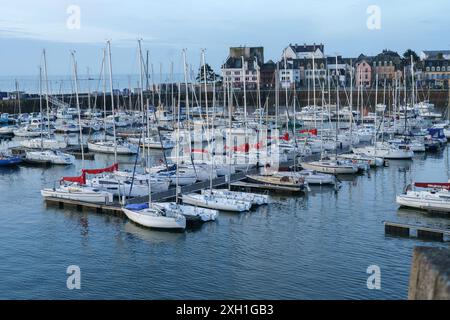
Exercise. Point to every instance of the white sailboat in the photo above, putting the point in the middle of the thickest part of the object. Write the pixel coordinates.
(313, 177)
(191, 213)
(254, 198)
(431, 200)
(155, 217)
(79, 191)
(112, 147)
(385, 151)
(49, 157)
(149, 215)
(43, 143)
(330, 166)
(217, 203)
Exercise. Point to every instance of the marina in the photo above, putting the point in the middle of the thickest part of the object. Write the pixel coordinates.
(141, 162)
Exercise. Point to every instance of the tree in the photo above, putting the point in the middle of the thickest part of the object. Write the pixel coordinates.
(211, 76)
(407, 56)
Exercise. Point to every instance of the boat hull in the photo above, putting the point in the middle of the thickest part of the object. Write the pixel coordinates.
(154, 221)
(423, 204)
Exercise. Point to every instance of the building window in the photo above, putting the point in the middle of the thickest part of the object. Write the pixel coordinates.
(237, 72)
(428, 69)
(433, 69)
(438, 69)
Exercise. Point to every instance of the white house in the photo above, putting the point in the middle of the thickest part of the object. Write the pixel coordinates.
(234, 72)
(304, 51)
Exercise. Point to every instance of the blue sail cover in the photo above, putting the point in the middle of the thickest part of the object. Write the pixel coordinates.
(437, 133)
(137, 206)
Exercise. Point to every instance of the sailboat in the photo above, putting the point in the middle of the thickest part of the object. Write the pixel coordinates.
(150, 215)
(156, 217)
(191, 213)
(254, 198)
(111, 147)
(46, 156)
(77, 189)
(437, 200)
(313, 177)
(217, 203)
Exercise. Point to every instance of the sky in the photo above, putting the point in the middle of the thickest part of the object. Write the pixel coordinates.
(168, 26)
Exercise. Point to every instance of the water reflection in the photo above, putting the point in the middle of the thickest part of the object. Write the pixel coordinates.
(152, 236)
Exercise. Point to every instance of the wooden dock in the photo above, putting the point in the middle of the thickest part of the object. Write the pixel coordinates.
(171, 193)
(111, 208)
(422, 232)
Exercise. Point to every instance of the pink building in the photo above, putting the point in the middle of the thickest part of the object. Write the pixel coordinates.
(363, 73)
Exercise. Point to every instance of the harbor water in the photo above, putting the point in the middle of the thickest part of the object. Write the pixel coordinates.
(314, 246)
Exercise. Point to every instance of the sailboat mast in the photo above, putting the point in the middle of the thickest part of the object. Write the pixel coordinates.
(40, 107)
(244, 75)
(112, 99)
(314, 89)
(75, 75)
(104, 90)
(208, 136)
(46, 93)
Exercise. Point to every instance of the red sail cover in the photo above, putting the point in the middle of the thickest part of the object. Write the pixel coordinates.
(439, 185)
(285, 137)
(81, 179)
(312, 131)
(112, 168)
(246, 147)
